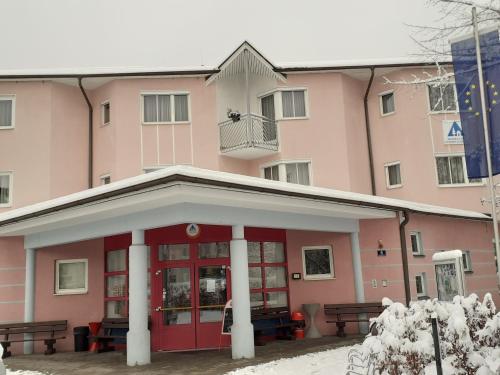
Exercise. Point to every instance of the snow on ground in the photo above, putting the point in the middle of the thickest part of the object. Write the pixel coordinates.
(329, 362)
(20, 372)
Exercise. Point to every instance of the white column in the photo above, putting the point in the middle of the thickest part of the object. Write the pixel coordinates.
(242, 344)
(358, 276)
(138, 336)
(29, 296)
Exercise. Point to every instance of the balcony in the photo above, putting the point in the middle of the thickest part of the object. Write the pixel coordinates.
(249, 137)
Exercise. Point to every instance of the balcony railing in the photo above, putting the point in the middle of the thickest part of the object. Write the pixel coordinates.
(250, 132)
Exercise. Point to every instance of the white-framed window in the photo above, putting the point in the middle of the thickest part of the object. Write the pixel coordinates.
(105, 113)
(161, 108)
(7, 111)
(442, 97)
(421, 284)
(467, 261)
(417, 247)
(317, 262)
(6, 183)
(451, 170)
(387, 105)
(105, 179)
(71, 276)
(393, 175)
(295, 172)
(294, 103)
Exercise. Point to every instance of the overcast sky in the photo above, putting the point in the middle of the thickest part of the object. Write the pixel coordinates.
(54, 34)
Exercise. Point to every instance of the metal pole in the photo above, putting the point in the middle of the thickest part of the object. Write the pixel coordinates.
(437, 351)
(486, 140)
(247, 90)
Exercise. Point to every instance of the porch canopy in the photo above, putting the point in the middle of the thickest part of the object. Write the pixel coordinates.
(182, 194)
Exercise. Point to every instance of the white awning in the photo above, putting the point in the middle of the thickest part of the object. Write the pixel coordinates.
(182, 194)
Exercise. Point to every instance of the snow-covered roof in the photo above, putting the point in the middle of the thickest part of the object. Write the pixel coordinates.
(235, 181)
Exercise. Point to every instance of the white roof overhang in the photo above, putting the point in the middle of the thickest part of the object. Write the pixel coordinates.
(183, 194)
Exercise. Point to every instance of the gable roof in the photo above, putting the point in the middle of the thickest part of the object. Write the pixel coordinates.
(235, 64)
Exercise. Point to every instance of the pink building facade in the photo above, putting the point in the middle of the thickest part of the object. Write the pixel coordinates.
(272, 163)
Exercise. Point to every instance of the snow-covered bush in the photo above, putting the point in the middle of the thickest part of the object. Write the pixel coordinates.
(2, 367)
(469, 333)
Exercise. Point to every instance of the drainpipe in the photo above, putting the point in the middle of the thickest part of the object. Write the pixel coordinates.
(91, 135)
(368, 133)
(404, 254)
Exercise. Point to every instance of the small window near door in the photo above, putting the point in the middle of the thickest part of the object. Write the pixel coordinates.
(318, 262)
(213, 250)
(267, 274)
(173, 252)
(71, 276)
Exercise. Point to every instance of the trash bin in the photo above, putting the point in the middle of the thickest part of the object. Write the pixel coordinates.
(81, 338)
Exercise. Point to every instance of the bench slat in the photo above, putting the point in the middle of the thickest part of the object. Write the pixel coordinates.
(351, 311)
(41, 329)
(33, 324)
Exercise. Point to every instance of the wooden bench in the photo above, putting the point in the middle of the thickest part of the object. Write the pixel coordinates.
(350, 312)
(276, 318)
(48, 329)
(111, 329)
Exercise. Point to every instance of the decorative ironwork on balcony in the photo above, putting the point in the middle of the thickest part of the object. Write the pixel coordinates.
(238, 136)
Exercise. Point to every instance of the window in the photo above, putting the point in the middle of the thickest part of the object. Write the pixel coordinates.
(318, 262)
(294, 103)
(71, 276)
(451, 170)
(416, 243)
(7, 110)
(466, 259)
(106, 179)
(116, 281)
(5, 189)
(387, 103)
(295, 173)
(393, 175)
(421, 284)
(267, 274)
(105, 113)
(165, 108)
(442, 97)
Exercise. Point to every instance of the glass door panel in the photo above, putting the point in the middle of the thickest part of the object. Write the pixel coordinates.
(177, 296)
(212, 292)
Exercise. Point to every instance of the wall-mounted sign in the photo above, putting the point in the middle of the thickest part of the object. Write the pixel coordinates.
(192, 230)
(452, 132)
(227, 318)
(450, 278)
(296, 276)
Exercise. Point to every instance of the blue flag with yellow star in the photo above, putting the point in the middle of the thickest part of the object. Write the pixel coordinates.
(469, 101)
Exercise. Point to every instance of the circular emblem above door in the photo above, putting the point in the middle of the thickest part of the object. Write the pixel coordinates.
(192, 230)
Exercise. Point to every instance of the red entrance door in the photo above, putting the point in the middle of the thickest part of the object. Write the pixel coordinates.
(190, 286)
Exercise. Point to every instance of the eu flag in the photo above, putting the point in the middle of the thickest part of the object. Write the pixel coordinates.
(469, 101)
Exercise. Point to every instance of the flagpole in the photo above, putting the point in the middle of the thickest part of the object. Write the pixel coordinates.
(487, 141)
